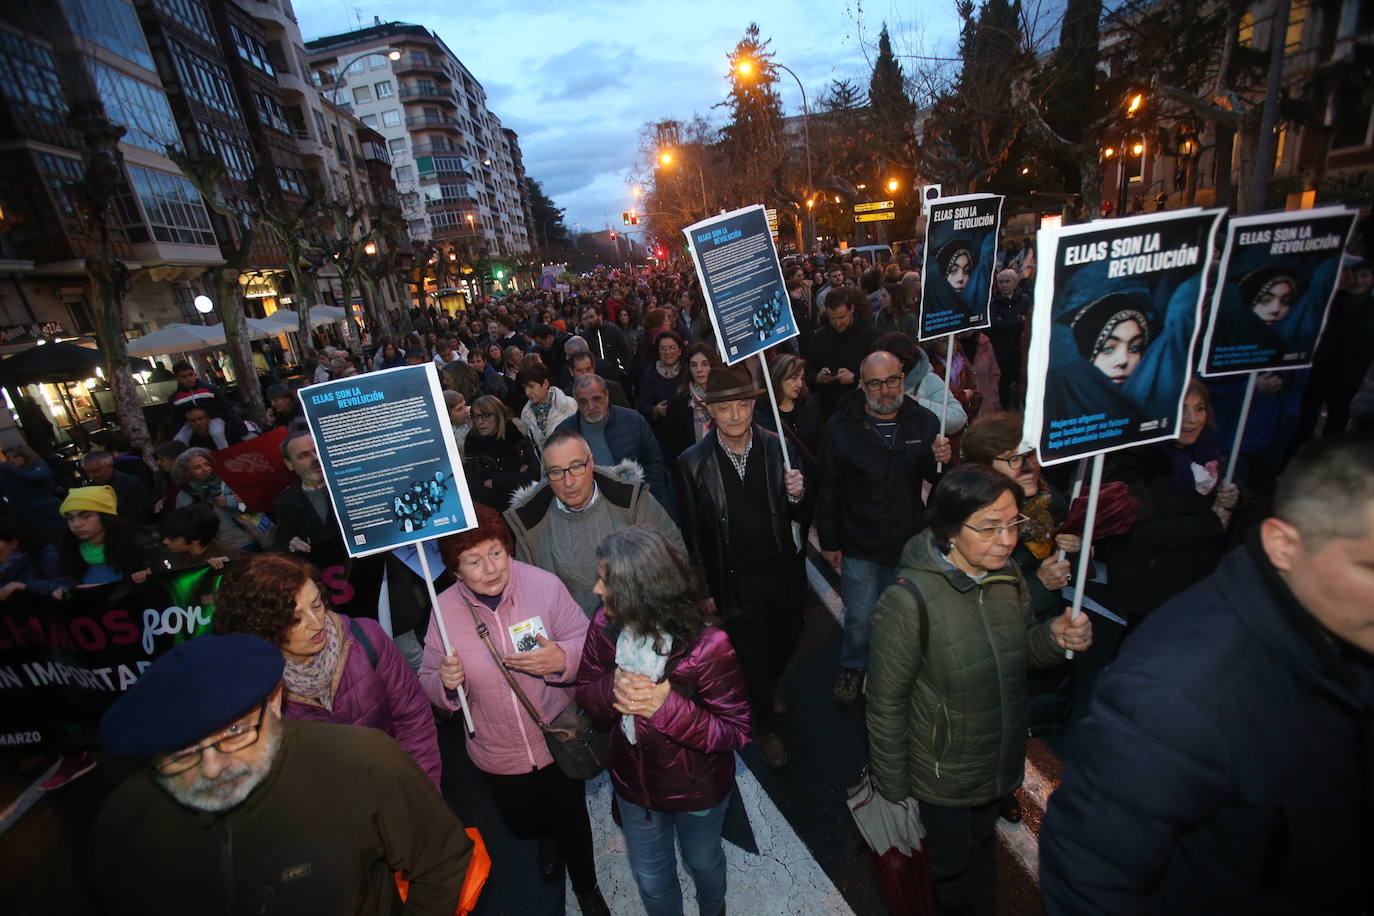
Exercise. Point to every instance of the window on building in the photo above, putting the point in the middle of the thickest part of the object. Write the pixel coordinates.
(391, 118)
(405, 173)
(233, 150)
(190, 15)
(271, 112)
(418, 227)
(291, 180)
(252, 50)
(204, 81)
(369, 120)
(319, 126)
(1297, 19)
(113, 25)
(362, 94)
(385, 90)
(28, 80)
(175, 212)
(379, 61)
(142, 109)
(1350, 116)
(397, 146)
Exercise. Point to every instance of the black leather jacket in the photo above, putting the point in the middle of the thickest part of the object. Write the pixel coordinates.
(706, 522)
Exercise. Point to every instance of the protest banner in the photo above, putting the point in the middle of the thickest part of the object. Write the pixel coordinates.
(391, 466)
(960, 259)
(254, 470)
(389, 459)
(741, 279)
(1276, 283)
(1117, 313)
(64, 662)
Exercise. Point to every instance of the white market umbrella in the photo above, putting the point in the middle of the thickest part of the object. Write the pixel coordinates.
(324, 314)
(177, 338)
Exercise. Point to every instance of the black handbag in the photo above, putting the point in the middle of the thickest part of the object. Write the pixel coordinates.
(579, 748)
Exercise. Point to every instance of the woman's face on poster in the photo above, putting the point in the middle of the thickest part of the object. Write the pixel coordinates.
(1274, 302)
(1120, 352)
(960, 268)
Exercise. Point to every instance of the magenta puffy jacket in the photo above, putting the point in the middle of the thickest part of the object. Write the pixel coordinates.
(388, 698)
(683, 760)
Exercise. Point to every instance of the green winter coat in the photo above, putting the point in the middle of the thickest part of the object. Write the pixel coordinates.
(947, 723)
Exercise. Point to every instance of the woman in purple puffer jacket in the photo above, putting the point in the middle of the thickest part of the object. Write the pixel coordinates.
(668, 685)
(338, 669)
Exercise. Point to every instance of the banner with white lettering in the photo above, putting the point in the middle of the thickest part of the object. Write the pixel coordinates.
(64, 662)
(389, 459)
(1278, 277)
(960, 259)
(1117, 312)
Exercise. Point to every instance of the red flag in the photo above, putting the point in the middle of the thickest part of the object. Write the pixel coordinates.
(254, 470)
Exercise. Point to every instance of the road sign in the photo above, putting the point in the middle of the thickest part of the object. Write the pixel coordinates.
(873, 217)
(874, 205)
(929, 192)
(772, 214)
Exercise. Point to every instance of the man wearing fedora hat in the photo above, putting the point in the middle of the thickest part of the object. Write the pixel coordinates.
(737, 506)
(242, 812)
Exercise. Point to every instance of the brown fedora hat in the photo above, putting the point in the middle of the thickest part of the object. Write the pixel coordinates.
(725, 384)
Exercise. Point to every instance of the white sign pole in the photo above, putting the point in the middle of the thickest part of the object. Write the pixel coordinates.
(1240, 427)
(1083, 555)
(944, 409)
(438, 618)
(1077, 489)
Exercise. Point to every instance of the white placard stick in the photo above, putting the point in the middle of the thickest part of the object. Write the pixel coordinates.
(1083, 555)
(1240, 427)
(438, 618)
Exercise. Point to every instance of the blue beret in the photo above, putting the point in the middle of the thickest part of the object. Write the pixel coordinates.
(187, 695)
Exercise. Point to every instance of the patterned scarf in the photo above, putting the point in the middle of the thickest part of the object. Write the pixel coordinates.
(701, 417)
(314, 680)
(668, 371)
(1038, 533)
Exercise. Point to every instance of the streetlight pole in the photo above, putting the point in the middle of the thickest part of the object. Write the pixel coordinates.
(392, 54)
(666, 158)
(744, 68)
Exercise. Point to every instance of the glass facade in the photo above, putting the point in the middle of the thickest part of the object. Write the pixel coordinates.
(173, 207)
(28, 79)
(141, 108)
(113, 25)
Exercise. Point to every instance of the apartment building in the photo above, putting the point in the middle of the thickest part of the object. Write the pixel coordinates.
(458, 171)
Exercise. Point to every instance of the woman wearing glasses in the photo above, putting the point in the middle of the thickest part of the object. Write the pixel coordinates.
(498, 457)
(947, 698)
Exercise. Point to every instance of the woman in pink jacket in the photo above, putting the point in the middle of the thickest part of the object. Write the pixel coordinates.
(538, 631)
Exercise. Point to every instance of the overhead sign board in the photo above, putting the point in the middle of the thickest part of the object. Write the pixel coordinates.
(873, 217)
(873, 205)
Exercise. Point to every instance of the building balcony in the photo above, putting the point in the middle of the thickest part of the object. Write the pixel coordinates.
(427, 94)
(431, 122)
(446, 233)
(463, 203)
(433, 149)
(409, 64)
(267, 11)
(291, 84)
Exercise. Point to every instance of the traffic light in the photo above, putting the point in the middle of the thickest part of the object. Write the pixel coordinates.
(625, 216)
(612, 235)
(634, 217)
(660, 252)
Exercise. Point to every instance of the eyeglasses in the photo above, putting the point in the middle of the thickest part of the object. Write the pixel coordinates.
(576, 469)
(476, 415)
(877, 384)
(234, 738)
(993, 531)
(669, 348)
(1016, 462)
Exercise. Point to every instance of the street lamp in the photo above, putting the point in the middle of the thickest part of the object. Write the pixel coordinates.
(665, 158)
(392, 54)
(745, 67)
(370, 248)
(892, 186)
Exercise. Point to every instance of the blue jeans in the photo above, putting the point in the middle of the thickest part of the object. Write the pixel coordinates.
(861, 582)
(653, 860)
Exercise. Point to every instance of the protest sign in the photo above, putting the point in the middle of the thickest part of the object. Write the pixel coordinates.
(1112, 334)
(741, 278)
(254, 470)
(64, 662)
(1277, 279)
(960, 258)
(389, 460)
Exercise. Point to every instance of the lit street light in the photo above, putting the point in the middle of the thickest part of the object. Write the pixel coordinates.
(370, 248)
(745, 68)
(892, 186)
(665, 158)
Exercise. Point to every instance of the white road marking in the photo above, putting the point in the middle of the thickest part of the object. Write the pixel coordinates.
(783, 879)
(1023, 844)
(829, 597)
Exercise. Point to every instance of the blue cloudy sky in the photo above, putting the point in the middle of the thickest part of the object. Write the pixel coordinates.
(578, 80)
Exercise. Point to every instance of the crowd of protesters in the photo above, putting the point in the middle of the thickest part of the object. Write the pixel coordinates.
(652, 511)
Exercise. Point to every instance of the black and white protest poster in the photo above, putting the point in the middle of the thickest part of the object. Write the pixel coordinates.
(1117, 313)
(1277, 280)
(741, 279)
(389, 459)
(960, 260)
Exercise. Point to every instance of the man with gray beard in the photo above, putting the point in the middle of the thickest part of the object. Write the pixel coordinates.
(244, 813)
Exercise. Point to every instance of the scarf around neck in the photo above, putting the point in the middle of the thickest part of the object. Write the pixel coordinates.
(635, 653)
(314, 680)
(668, 371)
(701, 417)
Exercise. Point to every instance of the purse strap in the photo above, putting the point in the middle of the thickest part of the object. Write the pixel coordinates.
(484, 632)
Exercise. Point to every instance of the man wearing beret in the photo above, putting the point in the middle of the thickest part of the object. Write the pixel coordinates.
(242, 812)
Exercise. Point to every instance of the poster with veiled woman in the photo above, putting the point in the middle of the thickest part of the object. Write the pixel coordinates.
(1109, 356)
(960, 258)
(1277, 279)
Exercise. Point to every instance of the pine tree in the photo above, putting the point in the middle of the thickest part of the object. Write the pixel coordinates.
(753, 139)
